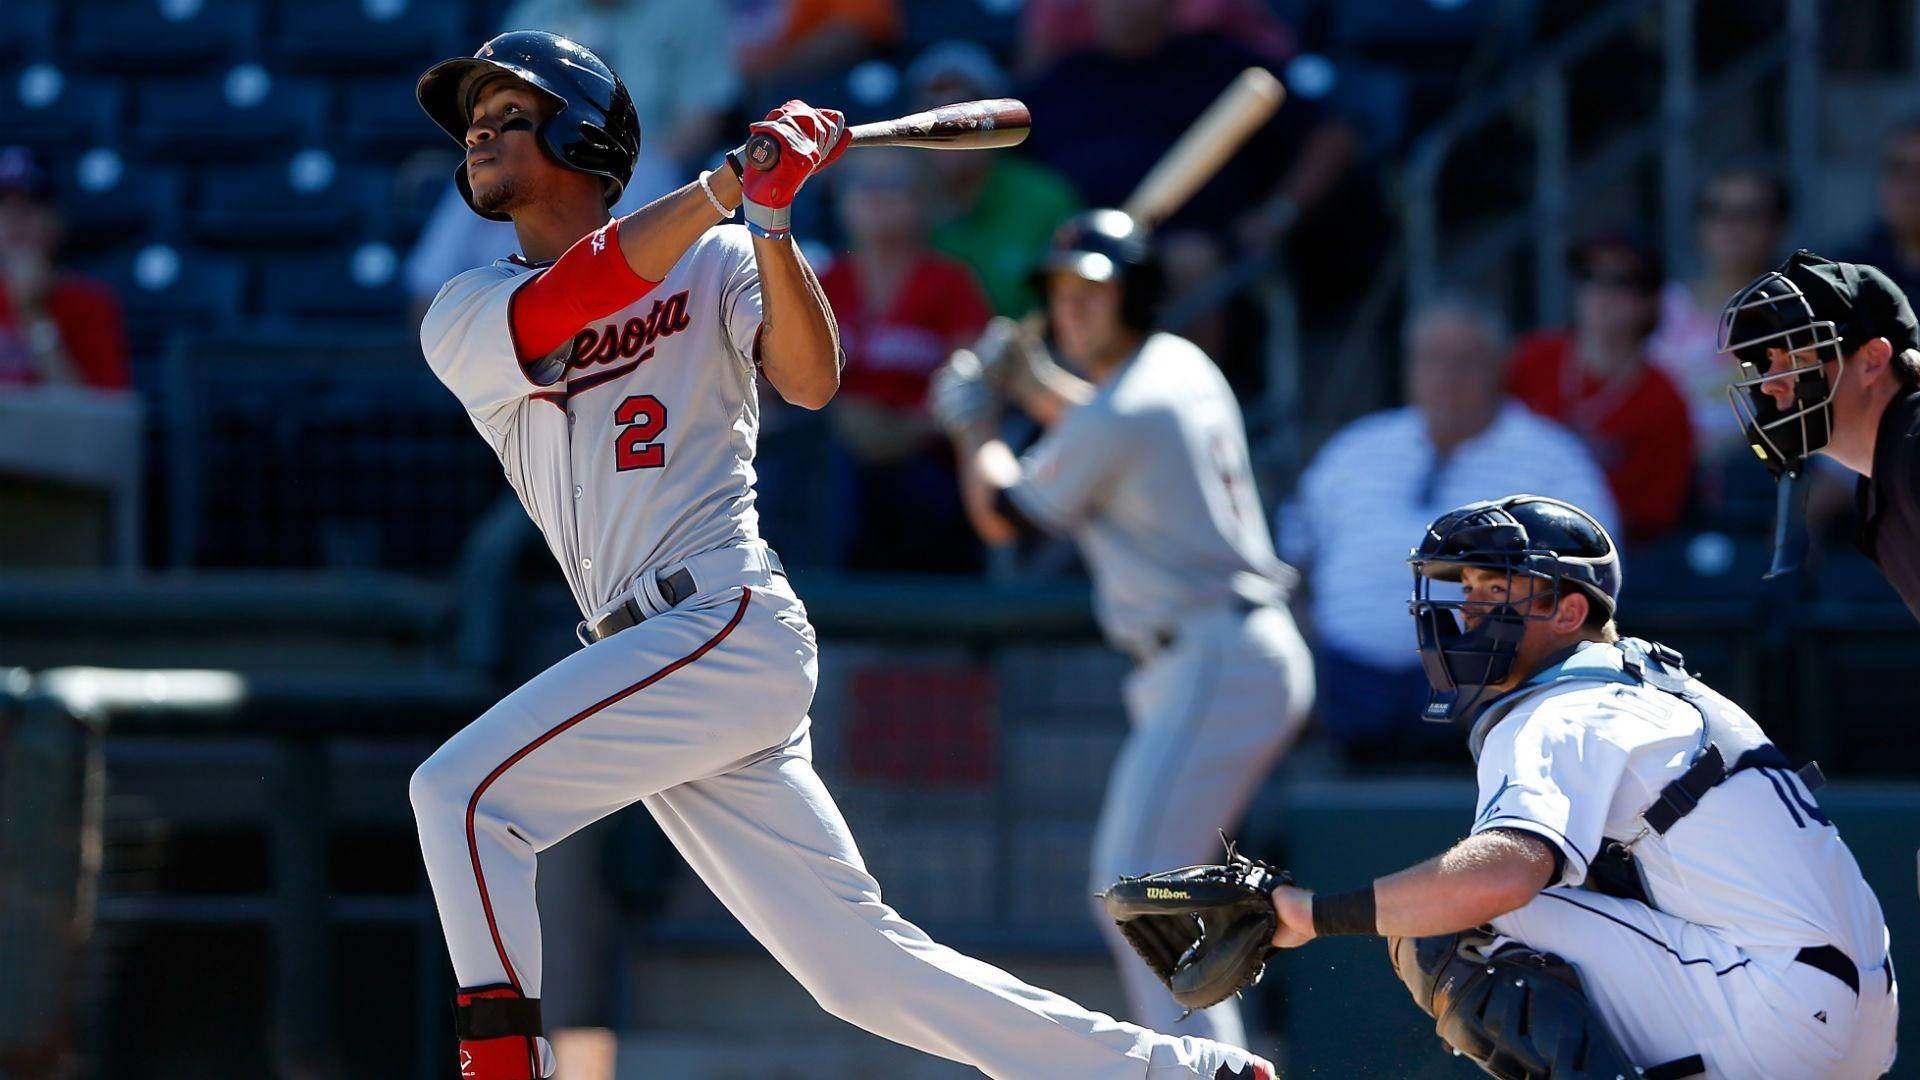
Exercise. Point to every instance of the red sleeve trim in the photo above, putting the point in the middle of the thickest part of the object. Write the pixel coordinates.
(591, 281)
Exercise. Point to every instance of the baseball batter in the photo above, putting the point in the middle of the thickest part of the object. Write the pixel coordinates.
(612, 370)
(1147, 469)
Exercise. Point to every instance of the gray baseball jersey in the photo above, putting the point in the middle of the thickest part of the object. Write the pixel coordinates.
(587, 435)
(1151, 477)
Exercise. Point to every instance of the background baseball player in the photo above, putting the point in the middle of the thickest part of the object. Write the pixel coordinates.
(1146, 467)
(612, 370)
(1829, 356)
(1660, 891)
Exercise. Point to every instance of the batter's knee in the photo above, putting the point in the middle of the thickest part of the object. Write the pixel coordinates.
(437, 789)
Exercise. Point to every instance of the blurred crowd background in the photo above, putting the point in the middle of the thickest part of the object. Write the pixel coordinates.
(1481, 249)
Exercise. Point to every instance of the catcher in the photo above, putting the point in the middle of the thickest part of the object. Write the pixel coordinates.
(1647, 889)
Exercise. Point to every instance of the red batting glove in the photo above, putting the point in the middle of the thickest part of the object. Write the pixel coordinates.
(810, 139)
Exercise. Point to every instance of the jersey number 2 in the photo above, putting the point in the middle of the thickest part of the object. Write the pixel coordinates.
(641, 421)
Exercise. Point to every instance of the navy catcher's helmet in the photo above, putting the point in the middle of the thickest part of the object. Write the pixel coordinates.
(593, 128)
(1525, 536)
(1107, 245)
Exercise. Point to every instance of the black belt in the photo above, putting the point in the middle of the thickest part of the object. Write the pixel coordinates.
(1163, 639)
(1835, 963)
(675, 587)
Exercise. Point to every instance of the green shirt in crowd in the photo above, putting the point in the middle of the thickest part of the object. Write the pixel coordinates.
(1007, 229)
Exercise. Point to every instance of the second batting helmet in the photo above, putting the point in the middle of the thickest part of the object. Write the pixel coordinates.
(592, 129)
(1108, 245)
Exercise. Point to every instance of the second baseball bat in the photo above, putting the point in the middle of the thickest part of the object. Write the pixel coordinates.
(967, 125)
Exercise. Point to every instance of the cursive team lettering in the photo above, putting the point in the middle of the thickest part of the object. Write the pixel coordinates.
(615, 341)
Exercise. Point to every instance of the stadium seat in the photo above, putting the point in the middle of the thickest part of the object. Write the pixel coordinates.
(110, 202)
(359, 284)
(382, 121)
(394, 36)
(50, 108)
(31, 25)
(308, 199)
(143, 36)
(166, 289)
(244, 111)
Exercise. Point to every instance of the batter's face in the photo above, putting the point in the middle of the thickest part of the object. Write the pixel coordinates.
(1086, 319)
(505, 164)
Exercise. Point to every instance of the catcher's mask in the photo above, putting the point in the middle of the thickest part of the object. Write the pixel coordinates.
(1773, 333)
(1535, 541)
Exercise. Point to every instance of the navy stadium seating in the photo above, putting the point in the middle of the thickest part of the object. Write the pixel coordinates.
(381, 120)
(356, 285)
(380, 36)
(51, 109)
(192, 291)
(242, 112)
(260, 207)
(116, 204)
(137, 37)
(30, 31)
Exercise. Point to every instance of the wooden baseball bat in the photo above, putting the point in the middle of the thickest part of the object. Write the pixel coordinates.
(1214, 137)
(966, 125)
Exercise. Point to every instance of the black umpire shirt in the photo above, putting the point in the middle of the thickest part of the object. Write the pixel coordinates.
(1889, 500)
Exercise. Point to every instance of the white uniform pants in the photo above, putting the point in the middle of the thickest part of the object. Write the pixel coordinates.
(1669, 988)
(1211, 715)
(700, 712)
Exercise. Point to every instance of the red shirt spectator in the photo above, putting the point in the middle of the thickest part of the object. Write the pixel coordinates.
(87, 316)
(1636, 426)
(893, 350)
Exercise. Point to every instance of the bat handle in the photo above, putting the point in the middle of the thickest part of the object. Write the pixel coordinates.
(762, 152)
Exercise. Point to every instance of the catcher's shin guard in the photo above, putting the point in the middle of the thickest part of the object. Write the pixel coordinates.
(1519, 1015)
(499, 1033)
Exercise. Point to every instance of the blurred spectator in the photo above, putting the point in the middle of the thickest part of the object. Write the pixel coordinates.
(56, 327)
(1893, 244)
(996, 212)
(1740, 221)
(1109, 112)
(677, 64)
(782, 42)
(1050, 29)
(1596, 379)
(1369, 492)
(70, 433)
(902, 310)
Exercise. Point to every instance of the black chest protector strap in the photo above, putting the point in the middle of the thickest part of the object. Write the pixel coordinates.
(1663, 669)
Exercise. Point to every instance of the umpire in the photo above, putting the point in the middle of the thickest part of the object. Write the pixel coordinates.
(1829, 357)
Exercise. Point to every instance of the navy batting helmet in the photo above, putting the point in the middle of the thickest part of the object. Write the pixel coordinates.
(1525, 536)
(1107, 245)
(593, 128)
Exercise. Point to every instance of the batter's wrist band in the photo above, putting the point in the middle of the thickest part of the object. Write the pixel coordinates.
(712, 199)
(774, 223)
(1349, 912)
(733, 162)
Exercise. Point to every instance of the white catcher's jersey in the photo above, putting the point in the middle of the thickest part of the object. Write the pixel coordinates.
(632, 445)
(1756, 860)
(1152, 478)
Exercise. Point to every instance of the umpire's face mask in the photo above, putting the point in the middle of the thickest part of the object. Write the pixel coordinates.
(1461, 664)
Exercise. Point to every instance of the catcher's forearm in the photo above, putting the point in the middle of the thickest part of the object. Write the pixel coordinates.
(1480, 878)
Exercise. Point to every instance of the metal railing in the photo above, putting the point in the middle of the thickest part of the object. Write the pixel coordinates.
(1559, 182)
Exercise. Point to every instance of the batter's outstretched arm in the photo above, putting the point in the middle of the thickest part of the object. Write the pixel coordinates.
(799, 341)
(654, 237)
(987, 468)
